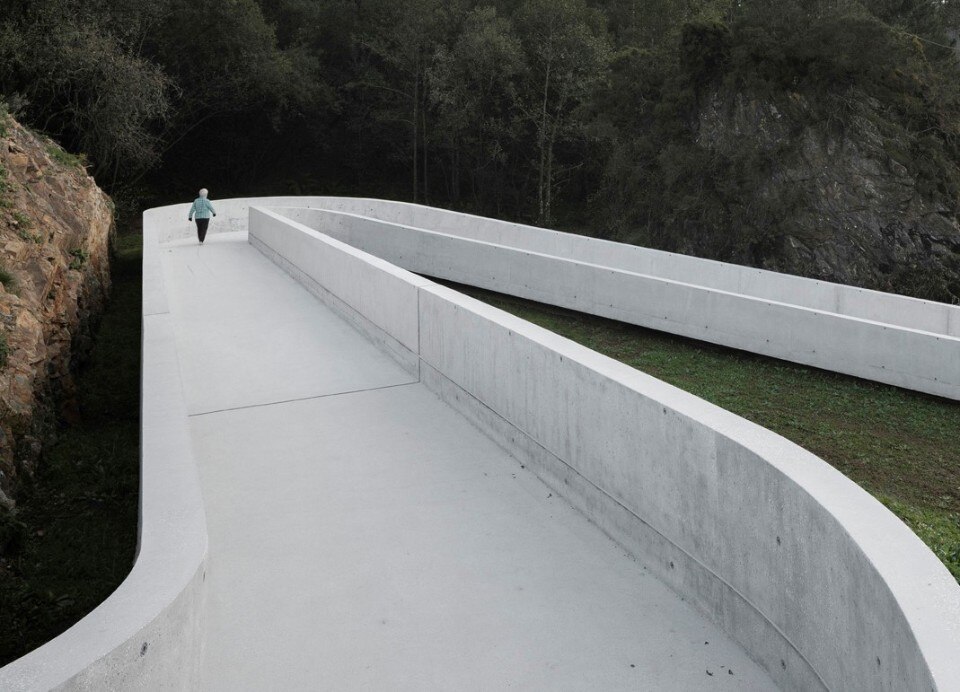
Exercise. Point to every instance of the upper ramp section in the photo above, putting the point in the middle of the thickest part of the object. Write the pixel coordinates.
(887, 338)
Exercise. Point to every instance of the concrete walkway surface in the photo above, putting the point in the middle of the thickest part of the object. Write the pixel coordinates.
(364, 536)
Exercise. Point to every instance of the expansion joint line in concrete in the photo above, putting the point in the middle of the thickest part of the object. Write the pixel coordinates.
(303, 398)
(653, 528)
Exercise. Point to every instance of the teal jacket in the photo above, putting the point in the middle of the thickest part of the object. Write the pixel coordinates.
(202, 209)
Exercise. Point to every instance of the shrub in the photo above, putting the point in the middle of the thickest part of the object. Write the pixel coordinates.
(8, 280)
(80, 257)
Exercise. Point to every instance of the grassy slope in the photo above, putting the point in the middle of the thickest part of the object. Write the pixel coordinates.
(901, 446)
(75, 532)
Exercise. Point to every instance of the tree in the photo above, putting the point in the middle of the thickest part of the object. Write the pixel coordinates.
(401, 44)
(473, 86)
(567, 53)
(83, 83)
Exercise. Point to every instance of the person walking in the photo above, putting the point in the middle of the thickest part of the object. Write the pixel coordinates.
(202, 210)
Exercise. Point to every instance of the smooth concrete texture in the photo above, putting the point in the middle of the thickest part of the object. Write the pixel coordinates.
(242, 325)
(383, 293)
(365, 536)
(845, 300)
(148, 634)
(820, 336)
(377, 541)
(824, 586)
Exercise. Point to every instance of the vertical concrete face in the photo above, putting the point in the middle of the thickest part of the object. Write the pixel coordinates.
(384, 294)
(881, 337)
(755, 539)
(823, 585)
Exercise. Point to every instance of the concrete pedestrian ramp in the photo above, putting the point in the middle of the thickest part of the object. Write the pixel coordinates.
(353, 478)
(365, 536)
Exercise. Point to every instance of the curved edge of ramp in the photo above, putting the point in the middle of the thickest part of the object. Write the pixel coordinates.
(821, 584)
(148, 633)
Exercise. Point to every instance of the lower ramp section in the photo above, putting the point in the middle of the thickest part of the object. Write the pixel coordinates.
(365, 536)
(377, 541)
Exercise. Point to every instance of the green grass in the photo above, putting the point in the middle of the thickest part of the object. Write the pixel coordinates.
(80, 257)
(64, 157)
(901, 446)
(73, 538)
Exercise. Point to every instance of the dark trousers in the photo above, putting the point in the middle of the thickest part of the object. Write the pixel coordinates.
(202, 228)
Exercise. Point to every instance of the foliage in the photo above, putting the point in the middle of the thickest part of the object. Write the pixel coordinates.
(567, 53)
(80, 257)
(83, 80)
(473, 90)
(65, 158)
(563, 112)
(4, 187)
(829, 67)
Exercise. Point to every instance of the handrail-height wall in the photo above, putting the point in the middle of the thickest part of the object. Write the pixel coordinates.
(820, 583)
(148, 634)
(555, 273)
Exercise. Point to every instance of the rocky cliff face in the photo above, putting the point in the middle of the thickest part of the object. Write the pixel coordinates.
(842, 198)
(55, 231)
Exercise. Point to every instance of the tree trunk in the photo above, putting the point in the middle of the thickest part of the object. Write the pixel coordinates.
(542, 144)
(549, 184)
(423, 153)
(416, 126)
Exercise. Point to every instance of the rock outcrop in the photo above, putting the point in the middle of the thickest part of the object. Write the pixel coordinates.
(55, 232)
(842, 198)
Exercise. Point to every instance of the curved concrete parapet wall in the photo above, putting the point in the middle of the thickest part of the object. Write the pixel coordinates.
(820, 583)
(879, 336)
(147, 634)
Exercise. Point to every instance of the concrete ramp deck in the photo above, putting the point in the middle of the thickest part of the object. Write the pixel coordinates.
(365, 536)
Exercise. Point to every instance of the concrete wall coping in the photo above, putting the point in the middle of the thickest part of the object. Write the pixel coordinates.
(861, 345)
(923, 588)
(842, 299)
(852, 301)
(282, 212)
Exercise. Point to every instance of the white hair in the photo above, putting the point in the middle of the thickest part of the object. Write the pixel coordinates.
(204, 192)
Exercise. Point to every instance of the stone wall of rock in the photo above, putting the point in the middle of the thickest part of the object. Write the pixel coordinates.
(846, 208)
(55, 231)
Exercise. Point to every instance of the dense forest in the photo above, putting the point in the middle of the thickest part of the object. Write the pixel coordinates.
(815, 136)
